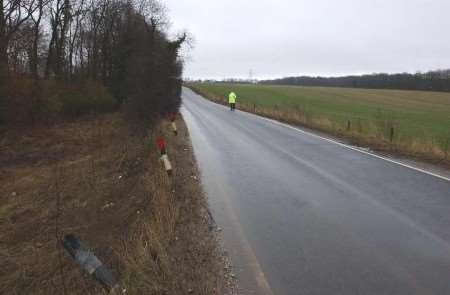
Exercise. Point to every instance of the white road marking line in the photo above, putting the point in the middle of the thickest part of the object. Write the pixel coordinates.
(352, 148)
(338, 143)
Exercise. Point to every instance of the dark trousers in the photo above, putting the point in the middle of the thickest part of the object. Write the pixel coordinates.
(232, 106)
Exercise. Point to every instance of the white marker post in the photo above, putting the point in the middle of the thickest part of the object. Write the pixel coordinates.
(164, 158)
(174, 127)
(167, 165)
(172, 117)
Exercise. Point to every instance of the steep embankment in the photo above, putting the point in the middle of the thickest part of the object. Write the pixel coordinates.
(95, 179)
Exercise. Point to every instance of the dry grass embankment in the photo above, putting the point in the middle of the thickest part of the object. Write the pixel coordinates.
(93, 178)
(388, 121)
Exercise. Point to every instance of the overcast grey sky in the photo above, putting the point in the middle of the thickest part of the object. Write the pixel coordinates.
(312, 37)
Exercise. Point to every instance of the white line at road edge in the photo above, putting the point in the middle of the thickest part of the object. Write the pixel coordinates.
(333, 141)
(352, 147)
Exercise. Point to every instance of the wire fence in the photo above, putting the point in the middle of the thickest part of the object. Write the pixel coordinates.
(382, 132)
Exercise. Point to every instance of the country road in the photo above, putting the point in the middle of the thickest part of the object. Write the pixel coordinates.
(301, 214)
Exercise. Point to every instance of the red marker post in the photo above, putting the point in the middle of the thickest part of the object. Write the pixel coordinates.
(162, 145)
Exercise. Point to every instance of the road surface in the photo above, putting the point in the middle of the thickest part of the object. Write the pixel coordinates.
(301, 214)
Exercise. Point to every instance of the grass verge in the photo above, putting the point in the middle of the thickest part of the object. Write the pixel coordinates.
(409, 123)
(95, 179)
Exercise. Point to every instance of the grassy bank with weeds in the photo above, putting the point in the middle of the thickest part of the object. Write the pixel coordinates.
(411, 123)
(95, 179)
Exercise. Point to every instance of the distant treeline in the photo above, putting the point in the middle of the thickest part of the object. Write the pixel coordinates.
(431, 81)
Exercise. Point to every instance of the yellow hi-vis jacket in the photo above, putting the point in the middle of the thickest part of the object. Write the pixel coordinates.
(232, 97)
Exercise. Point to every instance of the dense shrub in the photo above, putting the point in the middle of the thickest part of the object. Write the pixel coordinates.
(91, 97)
(146, 72)
(32, 100)
(19, 102)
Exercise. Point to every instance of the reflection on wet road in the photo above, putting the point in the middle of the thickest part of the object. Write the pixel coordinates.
(303, 215)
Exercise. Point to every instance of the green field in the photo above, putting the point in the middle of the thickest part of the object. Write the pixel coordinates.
(417, 116)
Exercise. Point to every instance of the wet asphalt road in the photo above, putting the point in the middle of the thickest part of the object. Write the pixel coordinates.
(303, 215)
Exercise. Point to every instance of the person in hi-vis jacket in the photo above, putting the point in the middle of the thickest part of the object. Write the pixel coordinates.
(232, 100)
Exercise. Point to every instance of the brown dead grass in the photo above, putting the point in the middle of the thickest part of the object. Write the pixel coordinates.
(94, 179)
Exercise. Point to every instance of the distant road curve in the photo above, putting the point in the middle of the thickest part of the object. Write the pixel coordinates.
(302, 214)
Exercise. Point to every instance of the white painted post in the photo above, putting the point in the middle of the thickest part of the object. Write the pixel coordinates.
(166, 162)
(174, 127)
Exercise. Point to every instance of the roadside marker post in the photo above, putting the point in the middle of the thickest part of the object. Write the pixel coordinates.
(167, 164)
(164, 158)
(172, 117)
(162, 145)
(391, 135)
(174, 127)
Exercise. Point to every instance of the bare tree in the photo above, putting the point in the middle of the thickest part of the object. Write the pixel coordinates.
(36, 18)
(121, 45)
(12, 15)
(60, 16)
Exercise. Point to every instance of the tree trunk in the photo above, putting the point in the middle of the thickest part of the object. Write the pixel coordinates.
(3, 45)
(34, 54)
(51, 53)
(3, 64)
(52, 56)
(34, 57)
(61, 44)
(3, 80)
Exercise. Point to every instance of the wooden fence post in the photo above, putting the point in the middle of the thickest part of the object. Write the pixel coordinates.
(391, 135)
(447, 145)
